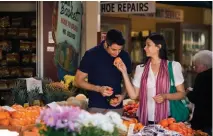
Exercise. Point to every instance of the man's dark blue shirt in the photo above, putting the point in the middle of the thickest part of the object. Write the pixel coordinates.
(98, 64)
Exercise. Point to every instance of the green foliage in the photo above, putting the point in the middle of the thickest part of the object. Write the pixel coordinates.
(94, 131)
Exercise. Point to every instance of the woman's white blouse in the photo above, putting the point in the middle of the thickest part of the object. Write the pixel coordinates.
(151, 84)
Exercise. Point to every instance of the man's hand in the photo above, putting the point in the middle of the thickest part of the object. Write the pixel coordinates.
(105, 90)
(119, 100)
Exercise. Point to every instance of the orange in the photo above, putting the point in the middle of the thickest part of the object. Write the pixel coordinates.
(189, 130)
(179, 130)
(173, 126)
(3, 115)
(164, 123)
(22, 122)
(117, 61)
(5, 122)
(17, 114)
(15, 122)
(7, 115)
(171, 120)
(16, 107)
(28, 114)
(181, 124)
(28, 120)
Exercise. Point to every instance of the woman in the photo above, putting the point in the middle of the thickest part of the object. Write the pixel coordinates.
(151, 82)
(201, 96)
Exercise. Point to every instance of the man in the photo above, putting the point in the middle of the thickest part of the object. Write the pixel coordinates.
(103, 76)
(201, 95)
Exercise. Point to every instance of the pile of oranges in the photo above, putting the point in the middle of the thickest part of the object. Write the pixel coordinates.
(20, 117)
(170, 124)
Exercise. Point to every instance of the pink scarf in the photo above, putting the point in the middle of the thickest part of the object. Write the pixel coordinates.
(162, 86)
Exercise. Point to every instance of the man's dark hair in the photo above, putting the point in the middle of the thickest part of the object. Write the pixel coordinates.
(114, 37)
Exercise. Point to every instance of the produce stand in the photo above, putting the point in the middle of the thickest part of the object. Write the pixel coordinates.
(18, 121)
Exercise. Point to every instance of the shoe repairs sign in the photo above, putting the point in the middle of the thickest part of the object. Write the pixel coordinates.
(130, 7)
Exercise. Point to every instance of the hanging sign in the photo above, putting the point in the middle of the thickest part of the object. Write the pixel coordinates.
(67, 18)
(131, 7)
(168, 14)
(172, 14)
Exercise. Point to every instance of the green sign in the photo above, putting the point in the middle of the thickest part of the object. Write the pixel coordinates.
(67, 19)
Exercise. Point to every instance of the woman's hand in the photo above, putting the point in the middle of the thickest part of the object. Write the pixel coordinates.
(121, 67)
(160, 98)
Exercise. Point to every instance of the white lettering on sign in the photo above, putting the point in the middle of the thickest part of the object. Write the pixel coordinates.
(169, 14)
(173, 14)
(128, 7)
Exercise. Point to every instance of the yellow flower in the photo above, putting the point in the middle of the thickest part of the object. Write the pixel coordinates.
(69, 79)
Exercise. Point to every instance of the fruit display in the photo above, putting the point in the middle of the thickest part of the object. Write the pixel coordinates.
(130, 109)
(19, 116)
(80, 100)
(180, 127)
(170, 124)
(137, 126)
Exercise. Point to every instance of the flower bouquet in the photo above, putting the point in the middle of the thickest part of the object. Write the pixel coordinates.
(72, 121)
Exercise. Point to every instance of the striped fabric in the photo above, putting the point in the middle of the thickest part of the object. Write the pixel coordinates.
(162, 86)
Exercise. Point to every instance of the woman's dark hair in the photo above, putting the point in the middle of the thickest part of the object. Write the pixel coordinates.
(157, 39)
(114, 37)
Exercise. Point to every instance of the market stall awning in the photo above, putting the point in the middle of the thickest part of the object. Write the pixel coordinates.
(201, 4)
